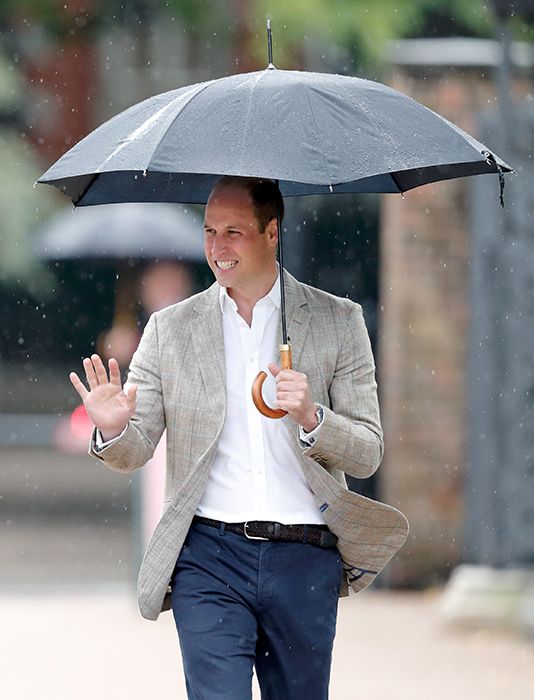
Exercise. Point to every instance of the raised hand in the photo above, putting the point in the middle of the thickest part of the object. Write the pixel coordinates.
(107, 405)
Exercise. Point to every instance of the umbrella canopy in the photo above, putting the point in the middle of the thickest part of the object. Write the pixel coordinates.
(122, 231)
(312, 132)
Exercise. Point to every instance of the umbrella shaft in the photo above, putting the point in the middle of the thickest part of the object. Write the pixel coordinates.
(282, 285)
(269, 43)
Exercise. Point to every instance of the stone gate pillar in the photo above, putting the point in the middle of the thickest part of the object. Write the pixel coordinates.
(426, 254)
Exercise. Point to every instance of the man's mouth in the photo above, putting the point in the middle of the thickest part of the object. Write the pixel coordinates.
(225, 264)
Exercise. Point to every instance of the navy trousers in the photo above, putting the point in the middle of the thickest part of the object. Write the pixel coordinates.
(242, 603)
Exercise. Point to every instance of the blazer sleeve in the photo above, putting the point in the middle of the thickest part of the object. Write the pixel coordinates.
(137, 444)
(350, 438)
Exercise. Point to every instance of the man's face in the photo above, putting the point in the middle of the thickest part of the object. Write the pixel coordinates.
(240, 256)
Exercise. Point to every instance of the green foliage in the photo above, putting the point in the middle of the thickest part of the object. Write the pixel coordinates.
(361, 27)
(23, 209)
(55, 18)
(341, 21)
(197, 15)
(438, 18)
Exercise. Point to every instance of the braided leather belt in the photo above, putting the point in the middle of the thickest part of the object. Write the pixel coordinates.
(318, 535)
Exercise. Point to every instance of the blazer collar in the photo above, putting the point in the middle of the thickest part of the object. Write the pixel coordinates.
(208, 338)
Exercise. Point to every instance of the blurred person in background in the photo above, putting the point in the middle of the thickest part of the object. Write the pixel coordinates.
(161, 284)
(164, 283)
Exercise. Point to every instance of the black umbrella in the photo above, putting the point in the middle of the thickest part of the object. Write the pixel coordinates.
(311, 132)
(122, 231)
(120, 234)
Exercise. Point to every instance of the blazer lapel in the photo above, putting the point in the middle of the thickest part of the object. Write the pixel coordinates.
(298, 320)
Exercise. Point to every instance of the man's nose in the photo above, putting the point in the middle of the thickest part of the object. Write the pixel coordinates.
(217, 246)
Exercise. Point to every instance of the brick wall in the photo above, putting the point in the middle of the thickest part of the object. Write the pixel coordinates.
(424, 287)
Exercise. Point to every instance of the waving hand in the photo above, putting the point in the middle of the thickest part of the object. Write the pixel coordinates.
(107, 404)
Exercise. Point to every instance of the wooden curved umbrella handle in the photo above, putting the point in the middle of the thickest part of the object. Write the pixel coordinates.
(257, 398)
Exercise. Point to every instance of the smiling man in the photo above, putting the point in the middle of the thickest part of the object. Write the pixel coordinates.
(243, 551)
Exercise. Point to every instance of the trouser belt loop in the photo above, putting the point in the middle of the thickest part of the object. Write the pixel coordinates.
(305, 538)
(273, 531)
(222, 528)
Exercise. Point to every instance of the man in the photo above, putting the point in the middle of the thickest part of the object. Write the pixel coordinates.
(245, 548)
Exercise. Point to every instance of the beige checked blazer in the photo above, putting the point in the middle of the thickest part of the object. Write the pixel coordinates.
(180, 370)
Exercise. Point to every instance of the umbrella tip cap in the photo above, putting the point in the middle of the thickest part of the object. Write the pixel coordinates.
(269, 45)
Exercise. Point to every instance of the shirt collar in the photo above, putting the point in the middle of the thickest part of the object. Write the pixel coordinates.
(273, 295)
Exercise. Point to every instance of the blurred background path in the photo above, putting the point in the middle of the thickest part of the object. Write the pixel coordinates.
(88, 644)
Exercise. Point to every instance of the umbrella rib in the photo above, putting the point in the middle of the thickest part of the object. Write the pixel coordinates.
(395, 182)
(135, 134)
(142, 128)
(247, 119)
(89, 184)
(204, 86)
(316, 131)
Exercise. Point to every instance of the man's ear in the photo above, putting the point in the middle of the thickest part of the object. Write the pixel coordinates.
(272, 232)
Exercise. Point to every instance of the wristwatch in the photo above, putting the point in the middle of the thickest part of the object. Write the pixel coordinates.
(320, 415)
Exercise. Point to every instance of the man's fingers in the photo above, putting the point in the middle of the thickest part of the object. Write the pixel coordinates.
(292, 394)
(289, 385)
(78, 385)
(90, 373)
(114, 372)
(289, 375)
(100, 370)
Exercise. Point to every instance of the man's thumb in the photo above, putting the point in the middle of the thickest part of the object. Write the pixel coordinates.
(273, 368)
(131, 392)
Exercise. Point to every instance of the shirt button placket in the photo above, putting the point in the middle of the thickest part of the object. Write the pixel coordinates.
(254, 418)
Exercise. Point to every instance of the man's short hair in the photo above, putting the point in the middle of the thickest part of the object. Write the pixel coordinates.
(266, 197)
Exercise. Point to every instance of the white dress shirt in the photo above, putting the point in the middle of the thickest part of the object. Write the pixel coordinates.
(256, 474)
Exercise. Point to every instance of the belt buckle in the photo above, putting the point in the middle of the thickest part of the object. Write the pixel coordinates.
(250, 537)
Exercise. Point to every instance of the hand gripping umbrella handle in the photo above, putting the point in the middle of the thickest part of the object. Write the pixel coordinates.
(267, 411)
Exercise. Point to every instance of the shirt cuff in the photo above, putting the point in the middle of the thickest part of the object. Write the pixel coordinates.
(100, 444)
(309, 438)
